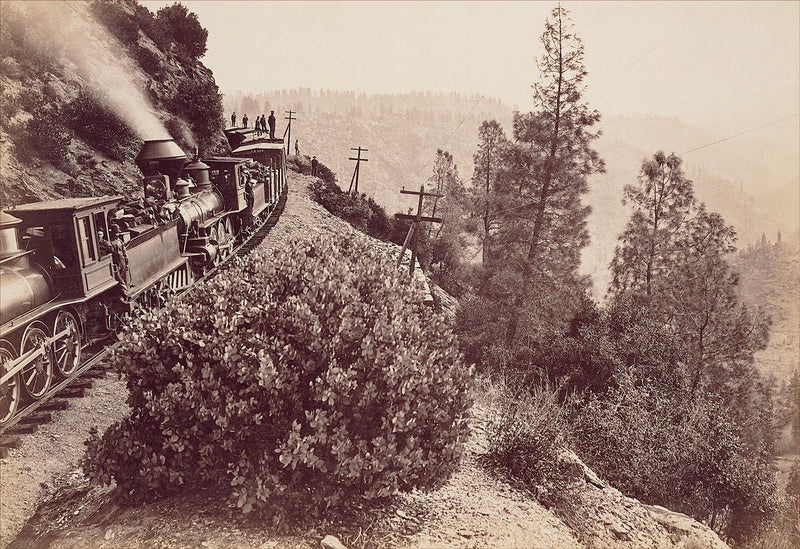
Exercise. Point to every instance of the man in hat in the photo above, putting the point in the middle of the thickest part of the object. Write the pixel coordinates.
(119, 257)
(271, 121)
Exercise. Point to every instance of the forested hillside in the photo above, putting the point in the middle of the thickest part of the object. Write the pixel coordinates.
(752, 182)
(770, 272)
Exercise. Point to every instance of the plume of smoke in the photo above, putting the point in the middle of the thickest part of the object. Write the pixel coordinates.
(97, 58)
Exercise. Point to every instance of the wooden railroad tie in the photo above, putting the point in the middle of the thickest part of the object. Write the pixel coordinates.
(95, 373)
(83, 383)
(54, 405)
(36, 418)
(9, 442)
(72, 392)
(22, 429)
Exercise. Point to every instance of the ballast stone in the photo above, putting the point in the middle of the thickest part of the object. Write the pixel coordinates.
(332, 542)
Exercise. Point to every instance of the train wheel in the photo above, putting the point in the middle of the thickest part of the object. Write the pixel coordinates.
(9, 391)
(38, 374)
(67, 349)
(229, 229)
(215, 237)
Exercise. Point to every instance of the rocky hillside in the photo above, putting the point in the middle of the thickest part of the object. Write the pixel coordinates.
(84, 83)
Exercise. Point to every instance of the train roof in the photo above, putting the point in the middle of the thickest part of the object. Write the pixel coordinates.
(262, 146)
(64, 204)
(224, 160)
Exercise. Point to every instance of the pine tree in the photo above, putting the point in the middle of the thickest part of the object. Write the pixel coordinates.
(444, 241)
(487, 195)
(675, 253)
(546, 229)
(662, 201)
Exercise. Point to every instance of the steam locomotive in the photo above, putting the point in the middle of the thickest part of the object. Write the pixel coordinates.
(72, 268)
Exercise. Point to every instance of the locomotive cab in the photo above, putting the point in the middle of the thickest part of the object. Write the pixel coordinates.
(66, 235)
(272, 155)
(227, 175)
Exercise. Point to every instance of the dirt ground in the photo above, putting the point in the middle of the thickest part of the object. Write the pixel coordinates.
(48, 503)
(50, 456)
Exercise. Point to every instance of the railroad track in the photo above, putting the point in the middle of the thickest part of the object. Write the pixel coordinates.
(27, 419)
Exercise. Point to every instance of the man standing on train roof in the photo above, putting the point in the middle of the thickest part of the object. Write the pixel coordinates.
(314, 164)
(271, 121)
(233, 119)
(244, 120)
(296, 148)
(263, 123)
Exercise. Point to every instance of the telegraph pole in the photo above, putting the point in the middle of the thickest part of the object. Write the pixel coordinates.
(411, 237)
(358, 160)
(289, 129)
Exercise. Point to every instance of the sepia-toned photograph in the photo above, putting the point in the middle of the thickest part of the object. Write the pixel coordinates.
(399, 274)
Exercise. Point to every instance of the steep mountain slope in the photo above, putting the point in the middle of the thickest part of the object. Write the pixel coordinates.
(74, 111)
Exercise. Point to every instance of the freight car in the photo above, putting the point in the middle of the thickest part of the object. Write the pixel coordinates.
(71, 269)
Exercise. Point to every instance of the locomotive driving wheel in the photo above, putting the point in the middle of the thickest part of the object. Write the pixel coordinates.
(226, 235)
(37, 374)
(9, 391)
(67, 349)
(215, 238)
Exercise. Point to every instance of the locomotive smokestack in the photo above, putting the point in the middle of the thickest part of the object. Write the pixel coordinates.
(161, 156)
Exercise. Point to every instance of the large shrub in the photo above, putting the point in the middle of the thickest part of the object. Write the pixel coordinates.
(685, 454)
(180, 26)
(116, 20)
(199, 101)
(315, 366)
(102, 128)
(44, 137)
(357, 209)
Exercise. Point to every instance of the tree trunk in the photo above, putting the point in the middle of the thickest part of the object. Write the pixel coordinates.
(533, 248)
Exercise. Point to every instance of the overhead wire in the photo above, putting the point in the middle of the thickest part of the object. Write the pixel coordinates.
(738, 134)
(452, 133)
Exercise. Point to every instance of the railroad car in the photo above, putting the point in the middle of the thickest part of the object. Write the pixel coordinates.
(71, 269)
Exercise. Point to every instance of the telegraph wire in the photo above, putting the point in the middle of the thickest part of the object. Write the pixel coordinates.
(742, 133)
(609, 178)
(452, 133)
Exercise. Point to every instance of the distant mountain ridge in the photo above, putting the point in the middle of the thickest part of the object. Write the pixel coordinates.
(754, 184)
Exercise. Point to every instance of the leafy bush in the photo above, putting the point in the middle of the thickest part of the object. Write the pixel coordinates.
(685, 454)
(357, 209)
(44, 137)
(199, 101)
(312, 367)
(148, 61)
(177, 24)
(101, 128)
(116, 20)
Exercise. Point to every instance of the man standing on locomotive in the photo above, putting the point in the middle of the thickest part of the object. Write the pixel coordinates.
(233, 119)
(271, 121)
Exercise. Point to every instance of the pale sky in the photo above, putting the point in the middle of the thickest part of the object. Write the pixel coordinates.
(727, 66)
